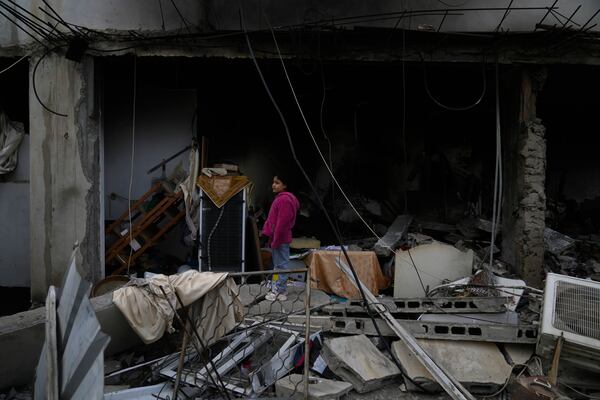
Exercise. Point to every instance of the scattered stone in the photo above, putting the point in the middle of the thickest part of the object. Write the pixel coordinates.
(356, 360)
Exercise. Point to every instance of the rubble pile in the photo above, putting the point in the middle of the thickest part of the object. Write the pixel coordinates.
(475, 319)
(428, 314)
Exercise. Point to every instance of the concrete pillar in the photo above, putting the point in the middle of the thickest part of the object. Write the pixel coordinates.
(65, 172)
(525, 174)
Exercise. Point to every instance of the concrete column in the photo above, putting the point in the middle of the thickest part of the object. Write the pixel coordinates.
(525, 174)
(65, 172)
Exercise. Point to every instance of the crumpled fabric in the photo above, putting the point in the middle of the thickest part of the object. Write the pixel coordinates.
(217, 313)
(326, 275)
(11, 135)
(148, 311)
(220, 189)
(191, 199)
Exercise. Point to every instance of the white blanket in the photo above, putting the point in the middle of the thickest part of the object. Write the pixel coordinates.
(149, 314)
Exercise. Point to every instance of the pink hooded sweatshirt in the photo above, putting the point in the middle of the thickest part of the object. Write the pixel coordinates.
(281, 219)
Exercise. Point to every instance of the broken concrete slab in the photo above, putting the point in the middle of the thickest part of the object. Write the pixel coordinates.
(435, 262)
(292, 387)
(475, 364)
(395, 233)
(356, 360)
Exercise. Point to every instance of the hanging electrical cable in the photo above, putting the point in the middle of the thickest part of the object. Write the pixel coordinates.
(456, 108)
(132, 158)
(323, 158)
(497, 200)
(359, 284)
(35, 92)
(13, 64)
(425, 290)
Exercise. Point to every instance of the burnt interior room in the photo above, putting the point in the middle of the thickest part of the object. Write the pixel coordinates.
(356, 112)
(573, 171)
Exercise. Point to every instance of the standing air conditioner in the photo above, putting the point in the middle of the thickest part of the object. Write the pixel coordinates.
(222, 234)
(571, 309)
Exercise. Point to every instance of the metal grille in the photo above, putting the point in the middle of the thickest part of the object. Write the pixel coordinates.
(223, 251)
(254, 356)
(577, 309)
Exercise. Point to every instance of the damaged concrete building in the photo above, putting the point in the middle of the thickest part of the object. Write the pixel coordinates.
(475, 119)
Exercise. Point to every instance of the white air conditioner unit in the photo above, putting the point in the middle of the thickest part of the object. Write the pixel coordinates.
(572, 310)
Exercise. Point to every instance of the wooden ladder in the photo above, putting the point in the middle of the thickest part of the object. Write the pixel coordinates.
(147, 226)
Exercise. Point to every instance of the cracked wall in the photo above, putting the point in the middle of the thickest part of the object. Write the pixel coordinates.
(65, 173)
(523, 220)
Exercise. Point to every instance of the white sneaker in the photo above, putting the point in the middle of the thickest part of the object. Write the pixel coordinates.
(272, 296)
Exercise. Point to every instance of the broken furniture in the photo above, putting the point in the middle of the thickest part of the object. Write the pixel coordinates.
(71, 363)
(222, 223)
(152, 216)
(326, 276)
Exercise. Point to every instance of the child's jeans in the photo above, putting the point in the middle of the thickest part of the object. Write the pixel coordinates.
(281, 259)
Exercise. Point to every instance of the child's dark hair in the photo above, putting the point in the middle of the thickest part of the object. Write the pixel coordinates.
(284, 178)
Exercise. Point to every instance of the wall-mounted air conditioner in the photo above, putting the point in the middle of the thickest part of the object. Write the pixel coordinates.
(572, 310)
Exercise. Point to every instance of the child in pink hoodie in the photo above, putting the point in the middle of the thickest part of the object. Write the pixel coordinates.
(278, 227)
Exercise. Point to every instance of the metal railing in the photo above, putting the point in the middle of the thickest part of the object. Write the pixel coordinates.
(239, 344)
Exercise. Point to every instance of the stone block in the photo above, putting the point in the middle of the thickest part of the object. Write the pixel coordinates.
(356, 360)
(474, 364)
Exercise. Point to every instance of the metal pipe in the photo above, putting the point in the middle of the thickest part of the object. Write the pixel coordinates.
(307, 334)
(545, 15)
(269, 272)
(155, 361)
(165, 161)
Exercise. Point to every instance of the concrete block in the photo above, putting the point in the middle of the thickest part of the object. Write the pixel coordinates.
(356, 360)
(436, 262)
(292, 387)
(474, 364)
